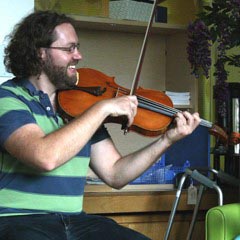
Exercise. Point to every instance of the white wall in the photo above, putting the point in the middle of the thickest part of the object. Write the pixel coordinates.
(11, 12)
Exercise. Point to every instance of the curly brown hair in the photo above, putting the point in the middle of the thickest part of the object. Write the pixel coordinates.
(33, 32)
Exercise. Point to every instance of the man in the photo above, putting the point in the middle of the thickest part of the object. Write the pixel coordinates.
(44, 162)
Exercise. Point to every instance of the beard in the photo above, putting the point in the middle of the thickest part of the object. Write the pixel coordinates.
(58, 75)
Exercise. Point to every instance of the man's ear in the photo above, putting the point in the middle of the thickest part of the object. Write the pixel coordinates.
(42, 53)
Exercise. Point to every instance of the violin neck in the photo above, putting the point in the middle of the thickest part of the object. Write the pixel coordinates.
(165, 110)
(171, 112)
(206, 123)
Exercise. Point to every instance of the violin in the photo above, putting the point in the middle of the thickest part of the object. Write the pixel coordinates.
(155, 110)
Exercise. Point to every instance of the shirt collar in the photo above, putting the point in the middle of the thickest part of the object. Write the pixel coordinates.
(29, 86)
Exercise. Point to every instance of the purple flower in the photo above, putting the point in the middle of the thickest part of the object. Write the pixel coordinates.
(217, 23)
(198, 49)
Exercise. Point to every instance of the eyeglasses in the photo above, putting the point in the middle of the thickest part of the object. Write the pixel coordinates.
(70, 49)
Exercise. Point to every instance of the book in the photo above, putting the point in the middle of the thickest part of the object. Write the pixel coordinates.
(179, 98)
(171, 93)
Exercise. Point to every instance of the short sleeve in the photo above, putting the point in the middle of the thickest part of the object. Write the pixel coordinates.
(100, 135)
(13, 114)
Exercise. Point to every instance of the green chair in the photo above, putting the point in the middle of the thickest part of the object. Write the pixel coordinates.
(223, 222)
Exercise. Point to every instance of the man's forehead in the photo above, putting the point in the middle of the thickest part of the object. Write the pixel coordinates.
(65, 33)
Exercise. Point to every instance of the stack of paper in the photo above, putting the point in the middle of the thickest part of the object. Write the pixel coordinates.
(179, 98)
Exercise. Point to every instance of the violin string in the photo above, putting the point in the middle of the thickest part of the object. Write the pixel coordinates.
(169, 111)
(161, 108)
(153, 105)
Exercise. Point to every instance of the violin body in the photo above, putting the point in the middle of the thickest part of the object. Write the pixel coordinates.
(155, 110)
(94, 86)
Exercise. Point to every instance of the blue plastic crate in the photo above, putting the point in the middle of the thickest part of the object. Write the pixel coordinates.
(160, 174)
(155, 174)
(171, 172)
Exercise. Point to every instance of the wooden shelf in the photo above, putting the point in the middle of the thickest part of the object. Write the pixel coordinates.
(141, 201)
(91, 188)
(108, 24)
(183, 106)
(148, 211)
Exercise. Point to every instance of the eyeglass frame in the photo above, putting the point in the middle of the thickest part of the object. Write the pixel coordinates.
(70, 49)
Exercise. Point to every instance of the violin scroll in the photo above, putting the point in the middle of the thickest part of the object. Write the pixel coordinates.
(219, 133)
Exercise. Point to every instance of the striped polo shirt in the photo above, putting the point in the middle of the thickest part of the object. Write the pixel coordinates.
(24, 190)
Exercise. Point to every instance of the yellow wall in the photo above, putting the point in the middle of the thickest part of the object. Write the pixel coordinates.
(234, 72)
(180, 11)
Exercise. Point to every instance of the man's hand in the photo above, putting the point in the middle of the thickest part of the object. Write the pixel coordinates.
(184, 124)
(123, 106)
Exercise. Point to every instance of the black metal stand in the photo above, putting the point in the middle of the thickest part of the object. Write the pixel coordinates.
(231, 123)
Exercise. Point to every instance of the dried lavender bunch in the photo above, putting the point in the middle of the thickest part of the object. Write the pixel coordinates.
(222, 20)
(198, 49)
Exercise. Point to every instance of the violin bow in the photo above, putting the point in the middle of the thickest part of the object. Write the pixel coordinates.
(143, 50)
(140, 61)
